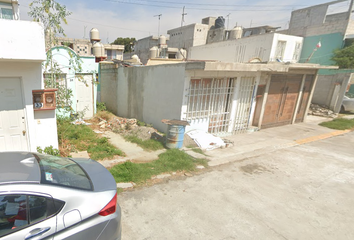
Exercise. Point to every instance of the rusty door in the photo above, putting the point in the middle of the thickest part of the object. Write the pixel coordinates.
(281, 101)
(305, 98)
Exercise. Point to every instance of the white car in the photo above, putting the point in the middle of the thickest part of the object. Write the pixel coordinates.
(347, 104)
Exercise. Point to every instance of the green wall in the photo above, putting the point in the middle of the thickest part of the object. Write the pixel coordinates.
(322, 55)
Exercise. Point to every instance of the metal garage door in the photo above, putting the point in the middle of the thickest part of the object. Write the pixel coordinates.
(281, 101)
(13, 134)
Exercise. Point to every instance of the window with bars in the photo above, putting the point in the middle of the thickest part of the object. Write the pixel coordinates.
(226, 103)
(6, 13)
(210, 98)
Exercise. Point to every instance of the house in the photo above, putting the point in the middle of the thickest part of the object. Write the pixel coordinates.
(79, 76)
(216, 97)
(25, 123)
(325, 31)
(84, 47)
(262, 48)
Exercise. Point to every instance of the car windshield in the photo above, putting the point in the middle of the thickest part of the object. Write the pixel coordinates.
(62, 171)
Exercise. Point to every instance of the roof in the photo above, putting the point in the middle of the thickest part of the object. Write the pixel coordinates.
(18, 167)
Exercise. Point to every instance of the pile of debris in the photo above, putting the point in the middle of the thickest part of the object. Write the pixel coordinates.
(118, 124)
(321, 111)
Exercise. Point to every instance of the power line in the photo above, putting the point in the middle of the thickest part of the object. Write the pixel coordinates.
(261, 8)
(208, 4)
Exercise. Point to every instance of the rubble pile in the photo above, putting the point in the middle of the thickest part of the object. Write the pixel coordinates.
(118, 124)
(126, 126)
(321, 111)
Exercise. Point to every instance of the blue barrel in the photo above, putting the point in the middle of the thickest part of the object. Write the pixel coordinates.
(175, 136)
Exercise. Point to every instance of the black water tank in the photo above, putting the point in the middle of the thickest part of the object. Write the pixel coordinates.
(220, 22)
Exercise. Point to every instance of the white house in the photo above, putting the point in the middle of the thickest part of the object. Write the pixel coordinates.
(22, 127)
(263, 47)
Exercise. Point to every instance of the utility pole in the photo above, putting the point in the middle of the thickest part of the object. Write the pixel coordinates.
(183, 14)
(228, 18)
(158, 28)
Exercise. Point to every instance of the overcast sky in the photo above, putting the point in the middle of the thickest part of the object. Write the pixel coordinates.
(139, 18)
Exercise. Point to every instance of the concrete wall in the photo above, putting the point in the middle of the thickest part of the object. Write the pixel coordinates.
(142, 47)
(315, 21)
(326, 93)
(244, 49)
(26, 41)
(188, 36)
(148, 93)
(41, 126)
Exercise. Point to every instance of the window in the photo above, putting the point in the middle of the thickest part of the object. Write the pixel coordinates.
(279, 52)
(63, 172)
(19, 211)
(6, 13)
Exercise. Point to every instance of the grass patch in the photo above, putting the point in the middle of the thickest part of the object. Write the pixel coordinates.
(82, 138)
(198, 150)
(339, 124)
(170, 161)
(149, 145)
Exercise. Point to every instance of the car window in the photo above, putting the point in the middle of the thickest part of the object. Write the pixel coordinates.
(19, 211)
(13, 213)
(62, 171)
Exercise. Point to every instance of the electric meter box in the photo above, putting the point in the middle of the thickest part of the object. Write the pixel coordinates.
(44, 99)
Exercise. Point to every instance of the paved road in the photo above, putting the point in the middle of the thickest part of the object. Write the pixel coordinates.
(300, 192)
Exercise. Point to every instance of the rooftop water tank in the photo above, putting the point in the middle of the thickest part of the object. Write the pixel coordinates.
(220, 22)
(182, 54)
(236, 33)
(162, 40)
(98, 50)
(153, 52)
(94, 35)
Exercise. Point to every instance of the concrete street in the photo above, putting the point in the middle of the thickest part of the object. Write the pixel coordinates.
(300, 191)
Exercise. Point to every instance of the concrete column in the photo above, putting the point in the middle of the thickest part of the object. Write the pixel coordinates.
(265, 96)
(299, 98)
(311, 94)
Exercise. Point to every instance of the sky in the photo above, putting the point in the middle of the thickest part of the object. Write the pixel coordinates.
(140, 18)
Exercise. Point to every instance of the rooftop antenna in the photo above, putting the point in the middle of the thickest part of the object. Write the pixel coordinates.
(158, 28)
(183, 14)
(228, 18)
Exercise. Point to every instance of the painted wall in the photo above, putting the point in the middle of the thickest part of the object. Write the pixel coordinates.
(41, 126)
(137, 92)
(62, 57)
(23, 34)
(329, 43)
(244, 49)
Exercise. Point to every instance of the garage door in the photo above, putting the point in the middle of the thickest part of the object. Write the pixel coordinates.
(281, 101)
(12, 116)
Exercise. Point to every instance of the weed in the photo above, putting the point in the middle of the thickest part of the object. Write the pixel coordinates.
(170, 161)
(82, 138)
(339, 124)
(101, 106)
(49, 150)
(150, 145)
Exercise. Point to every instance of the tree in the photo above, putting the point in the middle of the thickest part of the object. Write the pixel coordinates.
(127, 42)
(344, 57)
(52, 15)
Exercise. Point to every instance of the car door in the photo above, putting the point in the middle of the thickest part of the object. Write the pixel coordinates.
(27, 216)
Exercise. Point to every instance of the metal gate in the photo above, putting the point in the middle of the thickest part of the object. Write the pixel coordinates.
(244, 104)
(209, 98)
(226, 103)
